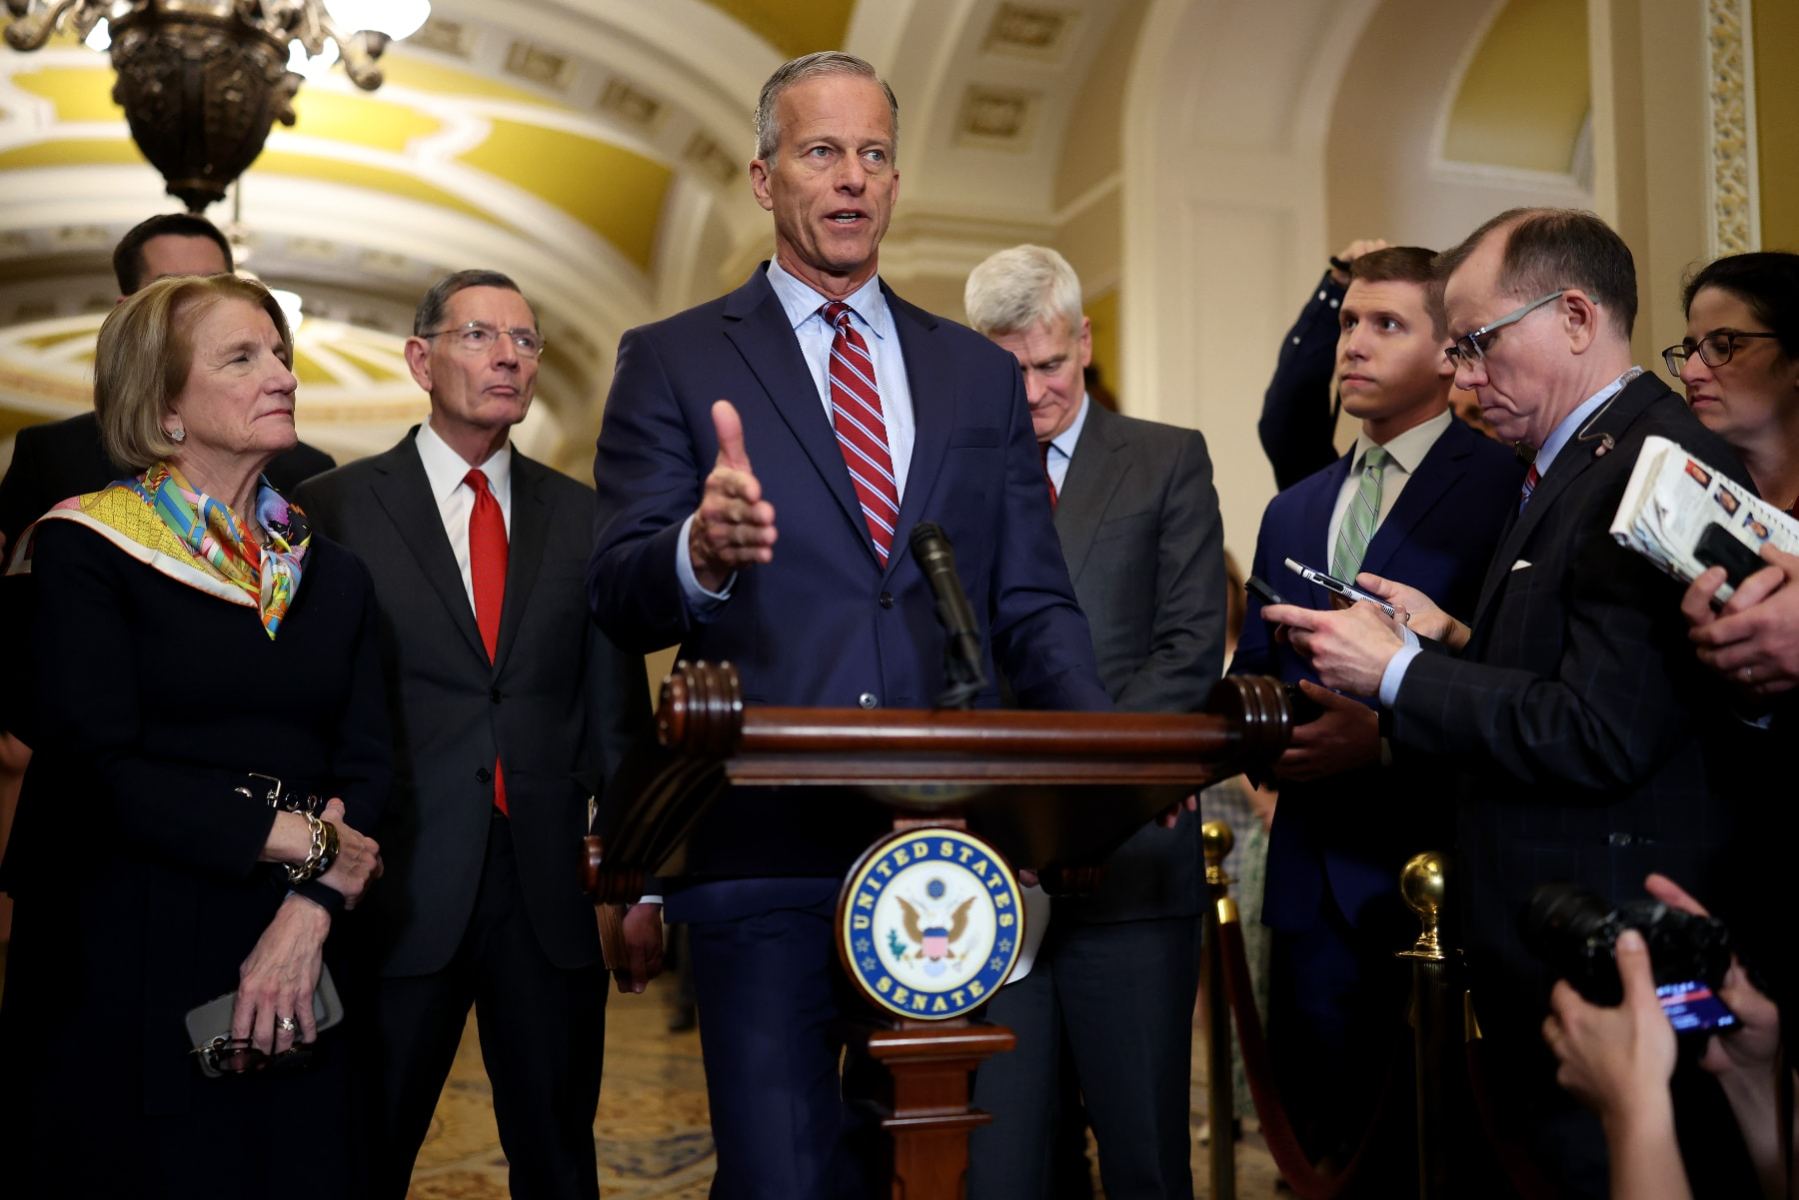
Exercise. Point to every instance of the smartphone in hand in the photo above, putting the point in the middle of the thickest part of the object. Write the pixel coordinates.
(1258, 587)
(1331, 583)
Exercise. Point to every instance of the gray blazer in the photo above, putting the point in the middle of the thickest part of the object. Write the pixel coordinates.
(558, 706)
(1139, 525)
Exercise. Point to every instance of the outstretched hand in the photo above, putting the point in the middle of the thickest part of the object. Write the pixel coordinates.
(734, 527)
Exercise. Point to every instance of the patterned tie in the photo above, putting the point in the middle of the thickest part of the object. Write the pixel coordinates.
(1361, 518)
(487, 552)
(1048, 479)
(861, 428)
(1531, 479)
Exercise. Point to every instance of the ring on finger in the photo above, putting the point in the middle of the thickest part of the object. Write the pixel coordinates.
(287, 1024)
(1748, 674)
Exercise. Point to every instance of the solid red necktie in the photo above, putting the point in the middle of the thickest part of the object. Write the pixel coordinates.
(487, 553)
(1048, 479)
(862, 428)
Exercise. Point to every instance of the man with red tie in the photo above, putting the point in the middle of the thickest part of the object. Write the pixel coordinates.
(763, 462)
(510, 710)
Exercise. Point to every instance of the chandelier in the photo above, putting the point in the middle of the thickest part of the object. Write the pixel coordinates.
(202, 81)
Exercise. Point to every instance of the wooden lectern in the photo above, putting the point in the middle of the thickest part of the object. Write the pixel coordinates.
(1054, 792)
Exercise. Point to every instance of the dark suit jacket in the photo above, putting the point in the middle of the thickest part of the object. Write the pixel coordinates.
(1139, 526)
(1298, 425)
(150, 700)
(824, 623)
(558, 706)
(52, 462)
(1342, 841)
(1578, 711)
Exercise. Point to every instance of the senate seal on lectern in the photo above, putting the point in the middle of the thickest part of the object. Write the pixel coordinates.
(929, 923)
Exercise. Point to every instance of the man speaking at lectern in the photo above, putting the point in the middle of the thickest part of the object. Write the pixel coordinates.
(764, 459)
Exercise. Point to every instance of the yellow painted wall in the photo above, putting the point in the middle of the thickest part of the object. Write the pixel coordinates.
(1102, 311)
(793, 27)
(613, 191)
(1776, 118)
(1525, 95)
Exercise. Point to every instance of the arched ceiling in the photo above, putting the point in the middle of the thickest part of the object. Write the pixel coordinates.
(1523, 98)
(593, 149)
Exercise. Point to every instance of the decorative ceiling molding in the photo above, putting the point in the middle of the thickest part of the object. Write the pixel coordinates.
(997, 118)
(1032, 31)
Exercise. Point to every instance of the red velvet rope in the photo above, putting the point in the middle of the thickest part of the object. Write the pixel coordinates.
(1526, 1179)
(1307, 1182)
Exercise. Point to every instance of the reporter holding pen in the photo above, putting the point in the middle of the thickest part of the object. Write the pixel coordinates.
(209, 737)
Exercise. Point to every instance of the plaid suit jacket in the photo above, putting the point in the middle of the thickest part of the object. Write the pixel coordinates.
(1584, 723)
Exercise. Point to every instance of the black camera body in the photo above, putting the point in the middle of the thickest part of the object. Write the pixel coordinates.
(1576, 933)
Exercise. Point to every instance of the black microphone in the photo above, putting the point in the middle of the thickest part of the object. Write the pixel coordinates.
(964, 675)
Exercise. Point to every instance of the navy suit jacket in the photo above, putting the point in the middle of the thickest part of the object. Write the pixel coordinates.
(825, 624)
(1343, 840)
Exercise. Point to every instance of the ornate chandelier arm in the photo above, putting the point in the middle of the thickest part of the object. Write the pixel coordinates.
(31, 29)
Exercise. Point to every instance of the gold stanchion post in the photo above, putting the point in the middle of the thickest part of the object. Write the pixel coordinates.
(1215, 840)
(1433, 1022)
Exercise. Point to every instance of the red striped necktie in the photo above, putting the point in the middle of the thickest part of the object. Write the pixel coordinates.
(487, 554)
(1531, 479)
(861, 428)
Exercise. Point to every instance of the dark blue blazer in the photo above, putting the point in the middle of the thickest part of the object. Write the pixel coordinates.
(1343, 840)
(824, 623)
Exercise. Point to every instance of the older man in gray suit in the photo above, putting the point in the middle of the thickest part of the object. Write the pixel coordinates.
(1115, 977)
(510, 709)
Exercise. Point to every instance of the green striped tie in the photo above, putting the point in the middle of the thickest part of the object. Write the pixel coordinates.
(1362, 517)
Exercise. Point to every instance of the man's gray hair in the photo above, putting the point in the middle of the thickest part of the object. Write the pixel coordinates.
(811, 66)
(430, 312)
(1016, 288)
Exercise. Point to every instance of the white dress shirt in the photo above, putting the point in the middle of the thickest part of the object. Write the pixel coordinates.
(1404, 452)
(445, 470)
(872, 318)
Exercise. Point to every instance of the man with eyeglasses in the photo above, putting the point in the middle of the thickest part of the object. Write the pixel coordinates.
(510, 710)
(1573, 703)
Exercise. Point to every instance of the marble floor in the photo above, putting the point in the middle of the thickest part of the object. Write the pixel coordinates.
(651, 1132)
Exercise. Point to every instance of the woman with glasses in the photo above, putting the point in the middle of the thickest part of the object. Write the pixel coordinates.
(209, 733)
(1740, 364)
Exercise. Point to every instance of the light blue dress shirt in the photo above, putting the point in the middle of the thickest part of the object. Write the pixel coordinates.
(1061, 447)
(871, 317)
(1558, 437)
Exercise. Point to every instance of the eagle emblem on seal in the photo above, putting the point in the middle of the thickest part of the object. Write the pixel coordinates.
(932, 927)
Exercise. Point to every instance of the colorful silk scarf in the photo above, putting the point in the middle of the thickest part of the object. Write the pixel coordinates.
(160, 520)
(270, 574)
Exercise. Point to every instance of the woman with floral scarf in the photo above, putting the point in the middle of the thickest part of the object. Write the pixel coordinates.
(209, 737)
